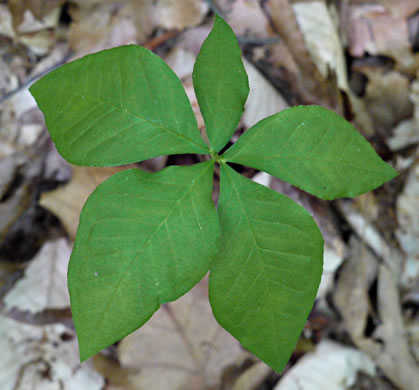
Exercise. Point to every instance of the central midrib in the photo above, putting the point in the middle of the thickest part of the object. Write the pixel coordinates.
(136, 253)
(125, 111)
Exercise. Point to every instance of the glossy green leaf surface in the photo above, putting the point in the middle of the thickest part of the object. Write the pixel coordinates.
(263, 285)
(143, 240)
(314, 149)
(220, 83)
(117, 106)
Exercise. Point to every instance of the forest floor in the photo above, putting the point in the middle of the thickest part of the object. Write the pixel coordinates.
(359, 58)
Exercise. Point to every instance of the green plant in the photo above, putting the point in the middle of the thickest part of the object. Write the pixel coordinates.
(146, 239)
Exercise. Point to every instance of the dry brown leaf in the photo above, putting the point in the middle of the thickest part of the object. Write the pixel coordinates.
(40, 9)
(373, 29)
(392, 352)
(44, 284)
(407, 132)
(190, 92)
(310, 86)
(386, 97)
(285, 22)
(181, 61)
(322, 39)
(400, 9)
(351, 291)
(366, 229)
(39, 35)
(246, 17)
(387, 344)
(408, 231)
(154, 164)
(12, 137)
(331, 367)
(105, 25)
(8, 79)
(253, 377)
(67, 202)
(263, 101)
(181, 347)
(179, 13)
(20, 172)
(320, 29)
(14, 206)
(42, 358)
(192, 39)
(6, 22)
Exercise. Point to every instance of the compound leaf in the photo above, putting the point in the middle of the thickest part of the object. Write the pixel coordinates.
(220, 83)
(314, 149)
(264, 286)
(117, 106)
(144, 239)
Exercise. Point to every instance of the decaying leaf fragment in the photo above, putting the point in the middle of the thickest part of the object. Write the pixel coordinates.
(42, 358)
(67, 202)
(181, 347)
(408, 231)
(387, 345)
(44, 285)
(331, 367)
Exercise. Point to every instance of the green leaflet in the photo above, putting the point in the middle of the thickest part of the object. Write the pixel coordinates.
(264, 283)
(314, 149)
(116, 107)
(143, 240)
(146, 239)
(220, 83)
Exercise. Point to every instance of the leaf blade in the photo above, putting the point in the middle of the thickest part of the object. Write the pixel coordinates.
(117, 106)
(143, 240)
(265, 304)
(314, 149)
(221, 84)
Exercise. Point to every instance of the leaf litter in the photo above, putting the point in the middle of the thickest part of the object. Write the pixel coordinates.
(366, 68)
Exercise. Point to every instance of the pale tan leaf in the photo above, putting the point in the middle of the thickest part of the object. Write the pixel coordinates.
(180, 13)
(29, 15)
(181, 347)
(407, 132)
(386, 97)
(391, 351)
(42, 358)
(408, 231)
(105, 25)
(6, 22)
(44, 284)
(331, 367)
(373, 29)
(351, 291)
(253, 377)
(181, 61)
(322, 39)
(67, 202)
(246, 18)
(387, 344)
(39, 35)
(264, 100)
(190, 92)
